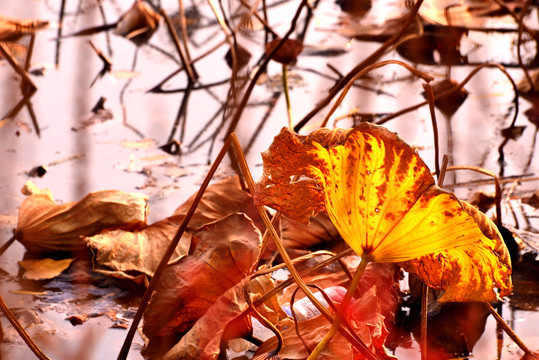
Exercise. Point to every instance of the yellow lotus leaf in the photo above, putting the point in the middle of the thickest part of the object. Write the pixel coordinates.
(383, 201)
(44, 225)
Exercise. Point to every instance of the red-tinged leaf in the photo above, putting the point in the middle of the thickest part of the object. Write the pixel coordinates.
(203, 340)
(222, 254)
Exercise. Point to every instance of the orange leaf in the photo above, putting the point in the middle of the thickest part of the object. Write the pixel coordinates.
(381, 197)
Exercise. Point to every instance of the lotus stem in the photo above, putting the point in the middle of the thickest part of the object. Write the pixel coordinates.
(344, 305)
(507, 329)
(20, 329)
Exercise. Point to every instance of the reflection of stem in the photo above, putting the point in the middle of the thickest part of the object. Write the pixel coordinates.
(287, 98)
(424, 316)
(507, 329)
(532, 152)
(343, 308)
(237, 115)
(449, 133)
(458, 88)
(20, 329)
(497, 187)
(59, 33)
(430, 99)
(368, 61)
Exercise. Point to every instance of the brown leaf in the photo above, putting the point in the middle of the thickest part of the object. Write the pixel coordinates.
(203, 339)
(287, 53)
(449, 104)
(119, 253)
(44, 225)
(42, 269)
(139, 23)
(296, 235)
(221, 255)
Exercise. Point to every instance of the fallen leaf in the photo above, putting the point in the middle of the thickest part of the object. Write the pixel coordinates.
(382, 198)
(43, 225)
(119, 252)
(43, 269)
(203, 340)
(222, 254)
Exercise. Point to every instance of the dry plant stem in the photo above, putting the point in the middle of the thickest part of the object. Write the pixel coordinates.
(497, 187)
(287, 98)
(185, 39)
(176, 40)
(265, 239)
(268, 324)
(519, 42)
(362, 73)
(457, 88)
(261, 69)
(158, 88)
(424, 317)
(11, 60)
(430, 99)
(170, 250)
(368, 61)
(343, 308)
(8, 244)
(507, 329)
(308, 271)
(59, 33)
(280, 247)
(24, 335)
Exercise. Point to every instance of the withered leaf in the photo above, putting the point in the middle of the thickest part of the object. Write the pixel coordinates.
(119, 253)
(139, 23)
(43, 225)
(382, 198)
(287, 53)
(202, 341)
(221, 255)
(43, 269)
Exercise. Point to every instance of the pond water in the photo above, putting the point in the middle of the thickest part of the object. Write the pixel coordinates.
(123, 152)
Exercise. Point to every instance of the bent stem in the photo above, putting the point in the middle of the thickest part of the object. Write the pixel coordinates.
(344, 306)
(240, 158)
